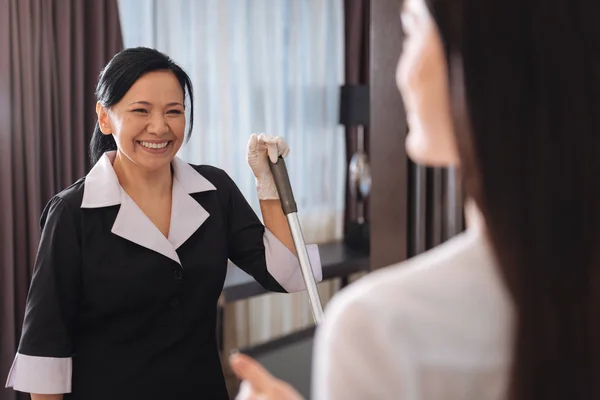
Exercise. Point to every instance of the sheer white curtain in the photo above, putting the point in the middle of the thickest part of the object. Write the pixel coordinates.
(271, 66)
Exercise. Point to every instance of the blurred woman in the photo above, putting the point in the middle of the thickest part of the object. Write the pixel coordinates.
(509, 91)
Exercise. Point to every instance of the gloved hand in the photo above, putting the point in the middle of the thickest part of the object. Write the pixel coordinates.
(259, 146)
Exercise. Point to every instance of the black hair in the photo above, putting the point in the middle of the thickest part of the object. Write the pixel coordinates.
(525, 91)
(117, 77)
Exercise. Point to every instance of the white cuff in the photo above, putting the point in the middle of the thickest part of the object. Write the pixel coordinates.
(284, 266)
(40, 375)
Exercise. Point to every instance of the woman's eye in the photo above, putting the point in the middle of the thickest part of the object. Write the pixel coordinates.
(140, 110)
(175, 112)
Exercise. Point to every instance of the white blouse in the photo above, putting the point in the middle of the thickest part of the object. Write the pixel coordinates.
(437, 326)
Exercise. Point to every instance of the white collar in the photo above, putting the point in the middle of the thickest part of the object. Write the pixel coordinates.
(102, 189)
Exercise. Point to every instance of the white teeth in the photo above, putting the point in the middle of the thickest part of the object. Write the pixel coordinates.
(154, 145)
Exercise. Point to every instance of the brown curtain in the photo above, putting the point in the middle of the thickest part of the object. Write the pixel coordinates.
(51, 52)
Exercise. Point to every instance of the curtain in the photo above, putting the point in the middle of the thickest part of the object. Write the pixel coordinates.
(436, 207)
(260, 66)
(51, 53)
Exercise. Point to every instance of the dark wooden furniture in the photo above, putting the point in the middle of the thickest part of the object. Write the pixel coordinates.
(337, 261)
(388, 128)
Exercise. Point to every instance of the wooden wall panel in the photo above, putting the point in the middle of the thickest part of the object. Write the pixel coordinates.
(389, 163)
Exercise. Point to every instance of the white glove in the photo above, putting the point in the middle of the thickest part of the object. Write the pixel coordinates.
(259, 148)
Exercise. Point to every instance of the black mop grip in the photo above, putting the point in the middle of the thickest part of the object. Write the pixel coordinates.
(284, 188)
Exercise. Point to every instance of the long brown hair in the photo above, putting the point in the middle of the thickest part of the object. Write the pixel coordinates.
(525, 84)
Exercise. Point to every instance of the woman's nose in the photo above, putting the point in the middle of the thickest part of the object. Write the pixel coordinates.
(158, 125)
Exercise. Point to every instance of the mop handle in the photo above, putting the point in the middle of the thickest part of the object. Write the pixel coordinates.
(284, 187)
(288, 204)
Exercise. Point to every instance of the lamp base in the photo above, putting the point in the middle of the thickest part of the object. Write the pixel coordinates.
(357, 236)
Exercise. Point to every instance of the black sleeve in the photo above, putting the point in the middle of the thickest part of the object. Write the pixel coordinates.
(245, 239)
(53, 297)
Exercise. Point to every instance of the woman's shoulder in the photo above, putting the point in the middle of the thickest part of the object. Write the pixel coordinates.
(205, 169)
(65, 204)
(454, 262)
(442, 291)
(217, 176)
(71, 196)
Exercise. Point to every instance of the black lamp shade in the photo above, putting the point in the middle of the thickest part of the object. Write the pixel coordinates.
(354, 105)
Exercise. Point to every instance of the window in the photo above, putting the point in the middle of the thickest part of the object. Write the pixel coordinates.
(259, 66)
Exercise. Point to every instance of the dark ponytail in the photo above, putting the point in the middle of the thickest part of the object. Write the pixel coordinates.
(100, 144)
(526, 111)
(117, 77)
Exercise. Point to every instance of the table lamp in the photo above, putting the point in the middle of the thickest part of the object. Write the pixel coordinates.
(354, 112)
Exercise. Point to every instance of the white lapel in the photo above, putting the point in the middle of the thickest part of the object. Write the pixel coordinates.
(187, 215)
(102, 189)
(132, 224)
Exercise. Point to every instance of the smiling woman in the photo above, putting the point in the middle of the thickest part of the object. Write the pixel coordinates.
(141, 102)
(133, 256)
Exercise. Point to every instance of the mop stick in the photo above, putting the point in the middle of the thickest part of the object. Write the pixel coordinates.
(288, 204)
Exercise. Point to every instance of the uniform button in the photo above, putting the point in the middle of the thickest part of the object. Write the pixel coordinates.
(177, 275)
(175, 302)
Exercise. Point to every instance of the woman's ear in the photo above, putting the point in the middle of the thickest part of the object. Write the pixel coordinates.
(103, 119)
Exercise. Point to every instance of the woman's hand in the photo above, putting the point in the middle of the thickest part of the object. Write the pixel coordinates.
(258, 383)
(259, 147)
